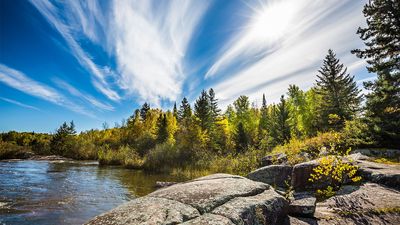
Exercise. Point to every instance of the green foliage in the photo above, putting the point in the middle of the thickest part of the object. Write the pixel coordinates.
(333, 171)
(381, 37)
(339, 93)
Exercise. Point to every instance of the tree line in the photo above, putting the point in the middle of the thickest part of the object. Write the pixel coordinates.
(189, 134)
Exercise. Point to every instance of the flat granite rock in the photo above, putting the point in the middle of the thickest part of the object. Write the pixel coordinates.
(303, 204)
(367, 204)
(275, 175)
(208, 193)
(147, 210)
(265, 208)
(216, 199)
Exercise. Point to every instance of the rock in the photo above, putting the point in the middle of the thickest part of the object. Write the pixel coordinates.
(290, 220)
(305, 156)
(209, 219)
(323, 152)
(49, 158)
(386, 153)
(303, 204)
(148, 210)
(275, 175)
(215, 199)
(366, 204)
(388, 175)
(210, 192)
(266, 208)
(162, 184)
(300, 175)
(280, 158)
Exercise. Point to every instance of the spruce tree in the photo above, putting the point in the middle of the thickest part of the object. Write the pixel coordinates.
(339, 93)
(241, 138)
(282, 125)
(382, 52)
(215, 111)
(202, 110)
(185, 112)
(143, 111)
(264, 119)
(162, 130)
(175, 111)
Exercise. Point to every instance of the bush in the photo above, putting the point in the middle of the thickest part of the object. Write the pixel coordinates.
(124, 155)
(12, 151)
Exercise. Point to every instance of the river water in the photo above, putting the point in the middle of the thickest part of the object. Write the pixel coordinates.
(45, 192)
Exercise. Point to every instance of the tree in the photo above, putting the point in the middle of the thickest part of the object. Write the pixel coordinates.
(382, 52)
(202, 110)
(62, 141)
(241, 138)
(162, 128)
(339, 92)
(185, 111)
(242, 107)
(282, 126)
(143, 111)
(175, 111)
(215, 111)
(264, 119)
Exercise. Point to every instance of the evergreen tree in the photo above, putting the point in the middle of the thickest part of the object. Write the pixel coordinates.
(202, 110)
(143, 111)
(185, 111)
(175, 111)
(215, 111)
(382, 52)
(61, 142)
(339, 93)
(264, 119)
(242, 107)
(241, 138)
(282, 126)
(162, 128)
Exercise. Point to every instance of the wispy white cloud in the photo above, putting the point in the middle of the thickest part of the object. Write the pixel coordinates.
(21, 82)
(151, 42)
(90, 99)
(295, 56)
(79, 16)
(19, 103)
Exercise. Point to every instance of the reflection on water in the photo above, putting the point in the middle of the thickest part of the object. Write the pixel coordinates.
(41, 192)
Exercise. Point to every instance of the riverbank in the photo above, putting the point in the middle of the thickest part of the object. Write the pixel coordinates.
(232, 200)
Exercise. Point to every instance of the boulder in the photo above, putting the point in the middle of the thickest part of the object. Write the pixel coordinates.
(280, 158)
(162, 184)
(302, 204)
(300, 175)
(214, 199)
(275, 175)
(367, 204)
(386, 153)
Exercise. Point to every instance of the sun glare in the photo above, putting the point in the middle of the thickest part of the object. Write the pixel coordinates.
(272, 21)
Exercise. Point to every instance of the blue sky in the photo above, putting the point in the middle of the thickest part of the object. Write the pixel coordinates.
(96, 61)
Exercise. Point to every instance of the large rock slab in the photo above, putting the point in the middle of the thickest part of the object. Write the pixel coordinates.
(302, 204)
(215, 199)
(148, 210)
(265, 208)
(211, 191)
(275, 175)
(367, 204)
(300, 175)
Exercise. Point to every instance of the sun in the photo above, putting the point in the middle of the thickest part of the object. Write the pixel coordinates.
(272, 21)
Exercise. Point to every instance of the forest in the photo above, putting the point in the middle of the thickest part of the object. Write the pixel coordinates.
(201, 136)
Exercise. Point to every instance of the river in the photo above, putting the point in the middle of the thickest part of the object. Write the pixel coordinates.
(67, 192)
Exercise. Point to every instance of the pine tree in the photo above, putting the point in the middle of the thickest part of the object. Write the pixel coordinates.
(339, 93)
(202, 110)
(61, 142)
(282, 126)
(185, 111)
(162, 129)
(241, 138)
(382, 52)
(215, 111)
(175, 111)
(264, 119)
(143, 111)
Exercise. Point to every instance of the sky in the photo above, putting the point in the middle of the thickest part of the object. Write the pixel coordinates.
(96, 61)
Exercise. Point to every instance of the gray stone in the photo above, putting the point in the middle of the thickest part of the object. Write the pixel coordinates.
(265, 208)
(386, 153)
(147, 211)
(367, 204)
(280, 158)
(300, 175)
(275, 175)
(211, 191)
(209, 219)
(302, 204)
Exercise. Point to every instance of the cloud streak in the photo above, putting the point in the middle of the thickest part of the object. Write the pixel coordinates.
(294, 58)
(78, 17)
(21, 82)
(151, 39)
(19, 103)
